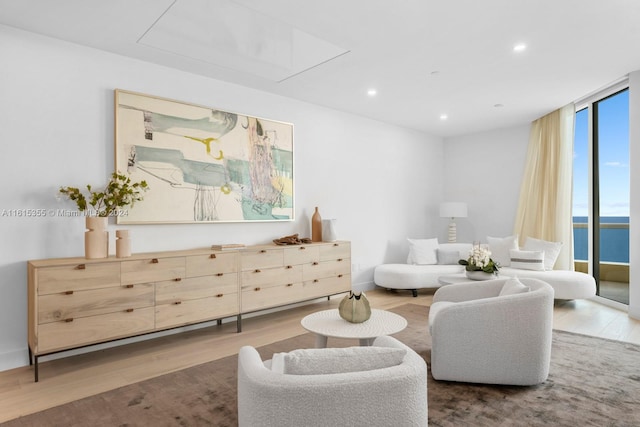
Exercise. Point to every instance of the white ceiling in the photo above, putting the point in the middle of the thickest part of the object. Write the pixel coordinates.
(424, 57)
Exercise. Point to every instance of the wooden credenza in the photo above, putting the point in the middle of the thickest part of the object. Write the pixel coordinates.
(76, 302)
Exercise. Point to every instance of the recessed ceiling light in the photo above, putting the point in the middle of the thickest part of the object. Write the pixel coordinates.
(443, 117)
(372, 92)
(435, 73)
(519, 47)
(498, 105)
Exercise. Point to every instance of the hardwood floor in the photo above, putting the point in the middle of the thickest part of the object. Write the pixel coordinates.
(66, 379)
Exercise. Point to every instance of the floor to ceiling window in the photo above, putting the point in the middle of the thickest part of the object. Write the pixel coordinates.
(601, 193)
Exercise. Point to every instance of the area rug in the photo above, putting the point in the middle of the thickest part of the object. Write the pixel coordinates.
(592, 382)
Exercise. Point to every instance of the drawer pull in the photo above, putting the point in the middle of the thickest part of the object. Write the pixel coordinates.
(256, 271)
(212, 256)
(129, 310)
(340, 259)
(336, 244)
(289, 285)
(256, 289)
(263, 251)
(69, 293)
(339, 275)
(315, 280)
(219, 274)
(302, 248)
(289, 266)
(128, 286)
(314, 263)
(177, 279)
(177, 303)
(154, 261)
(70, 319)
(81, 267)
(220, 295)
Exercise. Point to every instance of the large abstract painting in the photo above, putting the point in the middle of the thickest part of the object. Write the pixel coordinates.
(202, 164)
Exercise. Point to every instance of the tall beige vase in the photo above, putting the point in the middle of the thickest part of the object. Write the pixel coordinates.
(96, 238)
(316, 227)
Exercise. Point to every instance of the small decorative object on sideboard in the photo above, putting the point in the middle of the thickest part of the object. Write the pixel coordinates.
(316, 226)
(479, 265)
(123, 244)
(119, 192)
(355, 308)
(291, 240)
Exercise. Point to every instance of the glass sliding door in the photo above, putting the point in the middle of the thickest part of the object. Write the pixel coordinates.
(601, 194)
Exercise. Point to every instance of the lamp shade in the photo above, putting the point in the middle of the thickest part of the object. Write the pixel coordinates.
(453, 210)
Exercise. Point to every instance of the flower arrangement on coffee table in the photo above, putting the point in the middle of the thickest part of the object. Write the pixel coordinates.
(480, 260)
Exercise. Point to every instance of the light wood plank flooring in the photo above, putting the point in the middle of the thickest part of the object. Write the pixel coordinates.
(71, 378)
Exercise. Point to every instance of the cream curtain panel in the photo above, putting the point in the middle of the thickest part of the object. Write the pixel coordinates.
(544, 209)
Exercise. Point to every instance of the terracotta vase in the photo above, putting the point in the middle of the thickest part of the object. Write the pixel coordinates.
(96, 238)
(316, 227)
(123, 244)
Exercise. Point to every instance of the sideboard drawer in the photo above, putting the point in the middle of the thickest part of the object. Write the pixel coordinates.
(327, 286)
(196, 287)
(262, 258)
(265, 297)
(335, 251)
(326, 269)
(152, 270)
(75, 304)
(302, 254)
(88, 330)
(76, 277)
(185, 312)
(271, 276)
(214, 263)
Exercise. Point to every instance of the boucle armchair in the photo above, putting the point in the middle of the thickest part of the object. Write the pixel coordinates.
(480, 336)
(395, 395)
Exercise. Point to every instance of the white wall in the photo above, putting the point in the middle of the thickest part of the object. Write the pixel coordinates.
(381, 182)
(485, 170)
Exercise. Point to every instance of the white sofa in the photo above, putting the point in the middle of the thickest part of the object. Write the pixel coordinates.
(394, 395)
(566, 284)
(489, 332)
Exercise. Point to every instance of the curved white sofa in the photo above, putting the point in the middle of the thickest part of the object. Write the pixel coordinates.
(566, 284)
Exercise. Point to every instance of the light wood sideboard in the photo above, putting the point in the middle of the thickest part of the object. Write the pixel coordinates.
(78, 302)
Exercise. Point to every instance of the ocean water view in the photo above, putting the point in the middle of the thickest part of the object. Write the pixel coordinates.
(614, 238)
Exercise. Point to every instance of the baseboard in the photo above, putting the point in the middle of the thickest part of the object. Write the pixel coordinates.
(363, 287)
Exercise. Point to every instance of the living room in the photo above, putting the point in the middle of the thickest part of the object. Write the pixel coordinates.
(382, 182)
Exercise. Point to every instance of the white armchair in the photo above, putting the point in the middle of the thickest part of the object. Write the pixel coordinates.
(479, 336)
(395, 395)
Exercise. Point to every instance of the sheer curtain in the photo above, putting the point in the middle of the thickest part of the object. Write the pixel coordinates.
(544, 208)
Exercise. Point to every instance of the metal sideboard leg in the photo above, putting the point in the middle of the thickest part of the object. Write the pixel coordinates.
(239, 323)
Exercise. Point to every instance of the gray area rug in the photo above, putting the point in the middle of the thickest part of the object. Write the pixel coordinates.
(592, 382)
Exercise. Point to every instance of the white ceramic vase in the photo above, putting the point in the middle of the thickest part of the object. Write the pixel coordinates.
(479, 275)
(329, 230)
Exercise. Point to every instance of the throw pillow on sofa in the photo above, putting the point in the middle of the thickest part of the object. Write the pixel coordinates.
(513, 286)
(551, 250)
(320, 361)
(527, 260)
(423, 251)
(500, 248)
(448, 257)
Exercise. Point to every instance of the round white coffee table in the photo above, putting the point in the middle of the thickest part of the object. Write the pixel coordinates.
(328, 323)
(450, 279)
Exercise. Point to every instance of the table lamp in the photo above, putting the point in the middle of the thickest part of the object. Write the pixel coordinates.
(453, 210)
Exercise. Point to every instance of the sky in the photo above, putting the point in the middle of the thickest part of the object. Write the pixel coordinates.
(613, 136)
